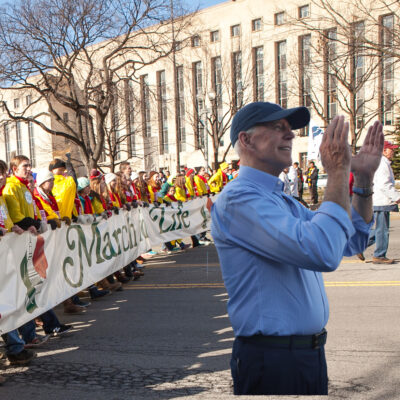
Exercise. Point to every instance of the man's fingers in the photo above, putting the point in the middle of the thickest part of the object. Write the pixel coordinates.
(368, 138)
(330, 130)
(379, 138)
(344, 132)
(339, 128)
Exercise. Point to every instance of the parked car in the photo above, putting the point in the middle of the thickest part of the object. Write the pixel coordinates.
(322, 180)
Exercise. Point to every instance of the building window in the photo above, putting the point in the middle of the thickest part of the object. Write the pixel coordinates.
(258, 68)
(279, 18)
(304, 11)
(214, 36)
(358, 64)
(31, 134)
(235, 30)
(7, 142)
(256, 25)
(331, 81)
(18, 137)
(162, 112)
(116, 125)
(199, 105)
(216, 68)
(282, 74)
(181, 108)
(16, 103)
(146, 123)
(305, 75)
(237, 84)
(178, 45)
(196, 41)
(387, 71)
(66, 117)
(129, 117)
(28, 100)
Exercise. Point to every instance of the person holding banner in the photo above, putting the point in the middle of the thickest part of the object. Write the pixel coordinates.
(42, 191)
(154, 187)
(14, 345)
(20, 203)
(273, 250)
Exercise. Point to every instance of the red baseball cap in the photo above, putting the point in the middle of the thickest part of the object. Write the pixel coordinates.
(390, 145)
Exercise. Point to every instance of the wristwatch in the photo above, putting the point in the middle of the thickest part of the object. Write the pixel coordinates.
(363, 192)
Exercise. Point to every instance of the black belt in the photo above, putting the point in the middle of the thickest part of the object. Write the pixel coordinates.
(295, 341)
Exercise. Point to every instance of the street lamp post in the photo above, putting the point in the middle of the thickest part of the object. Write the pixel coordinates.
(206, 111)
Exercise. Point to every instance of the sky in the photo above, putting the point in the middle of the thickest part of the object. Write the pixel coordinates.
(207, 3)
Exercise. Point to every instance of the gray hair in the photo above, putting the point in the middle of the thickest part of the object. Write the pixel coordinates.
(237, 147)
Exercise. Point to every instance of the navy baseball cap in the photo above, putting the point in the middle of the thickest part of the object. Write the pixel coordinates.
(259, 112)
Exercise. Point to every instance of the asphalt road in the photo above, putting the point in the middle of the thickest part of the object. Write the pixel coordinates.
(168, 336)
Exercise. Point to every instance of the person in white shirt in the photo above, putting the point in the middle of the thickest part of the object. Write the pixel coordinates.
(385, 199)
(283, 176)
(294, 182)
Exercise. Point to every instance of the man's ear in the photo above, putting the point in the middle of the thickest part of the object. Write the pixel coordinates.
(244, 138)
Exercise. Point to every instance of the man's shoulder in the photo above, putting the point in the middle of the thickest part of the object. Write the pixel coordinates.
(239, 190)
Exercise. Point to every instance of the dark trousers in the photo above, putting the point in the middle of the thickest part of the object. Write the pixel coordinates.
(314, 193)
(50, 321)
(260, 369)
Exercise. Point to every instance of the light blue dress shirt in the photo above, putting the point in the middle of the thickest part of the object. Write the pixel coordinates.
(272, 251)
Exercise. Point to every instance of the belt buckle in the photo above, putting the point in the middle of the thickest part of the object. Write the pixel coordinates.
(316, 337)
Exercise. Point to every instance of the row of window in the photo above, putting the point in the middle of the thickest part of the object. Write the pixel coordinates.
(302, 12)
(19, 141)
(256, 25)
(17, 101)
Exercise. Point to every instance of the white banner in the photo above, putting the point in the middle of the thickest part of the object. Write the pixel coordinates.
(314, 141)
(39, 272)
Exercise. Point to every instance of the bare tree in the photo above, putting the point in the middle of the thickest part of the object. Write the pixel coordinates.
(216, 101)
(70, 55)
(343, 69)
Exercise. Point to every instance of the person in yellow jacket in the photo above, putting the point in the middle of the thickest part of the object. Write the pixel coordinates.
(110, 180)
(6, 224)
(22, 209)
(200, 182)
(220, 179)
(189, 182)
(14, 345)
(64, 189)
(154, 187)
(182, 194)
(181, 191)
(19, 199)
(43, 191)
(99, 194)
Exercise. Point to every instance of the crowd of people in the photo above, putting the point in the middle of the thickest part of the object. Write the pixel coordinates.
(46, 199)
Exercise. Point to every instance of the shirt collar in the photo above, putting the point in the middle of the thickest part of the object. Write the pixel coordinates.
(261, 178)
(386, 160)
